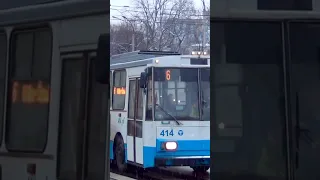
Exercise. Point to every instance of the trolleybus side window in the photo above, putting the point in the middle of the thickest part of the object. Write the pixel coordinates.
(132, 93)
(29, 89)
(248, 96)
(205, 93)
(111, 85)
(119, 89)
(229, 100)
(3, 53)
(140, 102)
(149, 99)
(41, 60)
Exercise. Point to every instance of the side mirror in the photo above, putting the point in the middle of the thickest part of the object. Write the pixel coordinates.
(102, 61)
(143, 80)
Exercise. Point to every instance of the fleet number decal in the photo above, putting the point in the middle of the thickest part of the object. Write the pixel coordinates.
(170, 133)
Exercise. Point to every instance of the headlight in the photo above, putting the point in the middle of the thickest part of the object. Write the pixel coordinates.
(170, 145)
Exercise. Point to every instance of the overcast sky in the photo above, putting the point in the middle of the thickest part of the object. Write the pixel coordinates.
(116, 4)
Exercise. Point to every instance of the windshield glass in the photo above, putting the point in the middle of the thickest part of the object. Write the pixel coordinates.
(176, 91)
(205, 93)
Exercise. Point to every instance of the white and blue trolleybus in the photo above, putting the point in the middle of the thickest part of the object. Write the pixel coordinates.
(160, 110)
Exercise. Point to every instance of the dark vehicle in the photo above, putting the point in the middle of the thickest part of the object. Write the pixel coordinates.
(266, 72)
(53, 105)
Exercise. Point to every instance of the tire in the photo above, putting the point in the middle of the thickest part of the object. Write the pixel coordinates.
(119, 155)
(201, 169)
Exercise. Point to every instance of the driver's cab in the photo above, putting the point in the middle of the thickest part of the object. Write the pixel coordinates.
(175, 93)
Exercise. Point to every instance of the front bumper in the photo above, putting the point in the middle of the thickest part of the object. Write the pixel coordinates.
(183, 161)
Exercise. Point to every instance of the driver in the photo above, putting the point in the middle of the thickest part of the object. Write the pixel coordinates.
(170, 105)
(195, 108)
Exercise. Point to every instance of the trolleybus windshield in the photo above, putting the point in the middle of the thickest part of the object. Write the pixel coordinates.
(176, 90)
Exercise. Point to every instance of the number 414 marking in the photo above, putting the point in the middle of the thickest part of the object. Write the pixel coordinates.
(166, 132)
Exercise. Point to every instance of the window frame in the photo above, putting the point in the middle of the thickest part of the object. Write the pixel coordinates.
(111, 86)
(5, 80)
(149, 98)
(132, 92)
(11, 78)
(201, 83)
(139, 100)
(13, 45)
(125, 87)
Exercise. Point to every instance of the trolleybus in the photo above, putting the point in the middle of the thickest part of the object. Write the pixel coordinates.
(160, 110)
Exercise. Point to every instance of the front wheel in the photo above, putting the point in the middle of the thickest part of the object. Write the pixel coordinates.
(200, 169)
(119, 152)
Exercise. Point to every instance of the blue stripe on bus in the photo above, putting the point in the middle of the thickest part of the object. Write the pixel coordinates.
(185, 148)
(111, 151)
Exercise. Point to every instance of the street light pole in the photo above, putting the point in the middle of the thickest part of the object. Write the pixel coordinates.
(133, 31)
(133, 42)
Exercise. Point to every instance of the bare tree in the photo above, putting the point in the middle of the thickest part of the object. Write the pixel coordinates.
(200, 33)
(161, 21)
(121, 38)
(206, 17)
(182, 26)
(169, 24)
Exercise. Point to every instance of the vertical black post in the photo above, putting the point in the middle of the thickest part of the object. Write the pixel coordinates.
(102, 73)
(287, 95)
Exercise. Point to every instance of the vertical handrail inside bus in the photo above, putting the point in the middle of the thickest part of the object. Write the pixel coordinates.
(102, 66)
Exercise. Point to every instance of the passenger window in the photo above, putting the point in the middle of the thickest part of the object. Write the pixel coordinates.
(29, 92)
(132, 93)
(119, 90)
(140, 102)
(248, 131)
(22, 56)
(149, 100)
(229, 100)
(3, 65)
(123, 78)
(111, 82)
(41, 60)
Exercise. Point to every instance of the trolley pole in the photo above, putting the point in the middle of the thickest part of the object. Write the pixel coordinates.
(133, 42)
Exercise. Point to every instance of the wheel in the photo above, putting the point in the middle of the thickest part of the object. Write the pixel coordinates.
(119, 155)
(200, 169)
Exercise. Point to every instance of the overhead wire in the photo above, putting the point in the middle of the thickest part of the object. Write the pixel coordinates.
(196, 15)
(138, 7)
(125, 10)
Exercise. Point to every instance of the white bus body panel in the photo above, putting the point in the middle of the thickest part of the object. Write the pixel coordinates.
(77, 34)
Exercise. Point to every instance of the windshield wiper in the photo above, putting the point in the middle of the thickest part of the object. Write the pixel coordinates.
(203, 104)
(163, 110)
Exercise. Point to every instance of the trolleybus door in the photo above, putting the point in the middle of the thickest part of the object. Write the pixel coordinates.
(97, 135)
(71, 125)
(131, 118)
(135, 113)
(83, 128)
(304, 68)
(139, 124)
